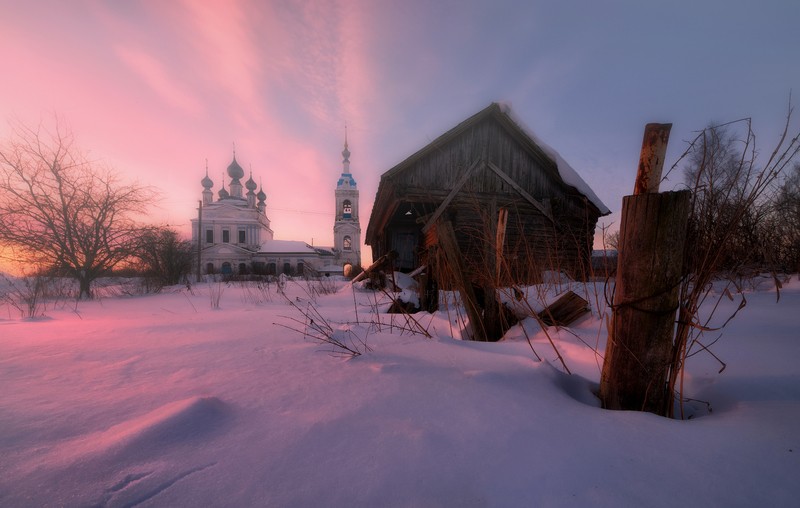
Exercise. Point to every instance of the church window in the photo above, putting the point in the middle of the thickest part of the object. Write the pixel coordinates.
(271, 269)
(210, 268)
(287, 268)
(242, 268)
(347, 209)
(226, 236)
(347, 243)
(301, 268)
(242, 236)
(209, 236)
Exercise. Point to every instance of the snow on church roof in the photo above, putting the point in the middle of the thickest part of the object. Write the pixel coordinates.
(286, 247)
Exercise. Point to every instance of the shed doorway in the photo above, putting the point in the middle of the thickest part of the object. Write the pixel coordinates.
(405, 242)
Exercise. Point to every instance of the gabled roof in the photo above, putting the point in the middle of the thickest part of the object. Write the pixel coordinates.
(287, 247)
(503, 114)
(226, 249)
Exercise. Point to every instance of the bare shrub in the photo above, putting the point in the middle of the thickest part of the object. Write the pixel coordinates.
(215, 290)
(730, 195)
(26, 294)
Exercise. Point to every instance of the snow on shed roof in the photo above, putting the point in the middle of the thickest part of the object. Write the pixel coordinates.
(567, 172)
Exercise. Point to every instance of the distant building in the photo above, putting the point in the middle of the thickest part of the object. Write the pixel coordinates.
(346, 227)
(235, 237)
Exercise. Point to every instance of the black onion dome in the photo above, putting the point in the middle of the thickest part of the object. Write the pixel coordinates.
(261, 195)
(206, 182)
(235, 171)
(250, 184)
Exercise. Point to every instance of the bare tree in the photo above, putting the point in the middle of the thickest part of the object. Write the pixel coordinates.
(731, 199)
(60, 210)
(721, 171)
(785, 225)
(164, 258)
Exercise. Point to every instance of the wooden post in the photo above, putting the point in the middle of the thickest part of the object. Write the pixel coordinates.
(499, 243)
(649, 271)
(651, 158)
(199, 237)
(492, 311)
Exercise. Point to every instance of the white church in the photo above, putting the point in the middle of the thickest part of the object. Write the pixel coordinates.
(234, 236)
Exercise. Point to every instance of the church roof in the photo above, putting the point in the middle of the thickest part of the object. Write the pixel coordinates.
(346, 178)
(286, 247)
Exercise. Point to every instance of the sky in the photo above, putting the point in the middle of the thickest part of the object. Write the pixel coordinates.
(156, 89)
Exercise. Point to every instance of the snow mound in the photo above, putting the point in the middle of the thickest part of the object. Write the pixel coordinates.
(168, 425)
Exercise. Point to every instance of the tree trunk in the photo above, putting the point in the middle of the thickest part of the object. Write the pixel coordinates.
(85, 286)
(650, 264)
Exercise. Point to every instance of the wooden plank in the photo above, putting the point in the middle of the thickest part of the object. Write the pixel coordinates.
(565, 310)
(499, 242)
(386, 258)
(455, 261)
(440, 210)
(651, 158)
(522, 192)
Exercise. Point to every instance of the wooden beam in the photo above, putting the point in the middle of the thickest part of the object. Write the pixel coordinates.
(530, 199)
(499, 242)
(440, 210)
(386, 258)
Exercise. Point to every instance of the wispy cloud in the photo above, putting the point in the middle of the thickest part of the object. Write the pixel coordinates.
(159, 78)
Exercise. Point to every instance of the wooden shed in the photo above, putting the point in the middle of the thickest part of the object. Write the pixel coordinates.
(503, 205)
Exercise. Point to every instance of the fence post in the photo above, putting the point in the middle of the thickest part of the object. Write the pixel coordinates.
(649, 270)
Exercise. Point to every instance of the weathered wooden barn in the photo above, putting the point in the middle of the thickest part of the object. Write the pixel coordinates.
(485, 205)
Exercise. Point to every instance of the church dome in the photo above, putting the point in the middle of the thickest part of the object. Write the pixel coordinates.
(223, 193)
(206, 182)
(235, 171)
(250, 184)
(261, 195)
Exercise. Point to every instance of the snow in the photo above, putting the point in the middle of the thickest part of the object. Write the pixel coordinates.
(567, 172)
(286, 247)
(167, 400)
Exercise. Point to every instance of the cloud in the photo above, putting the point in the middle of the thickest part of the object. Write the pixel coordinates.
(224, 46)
(158, 78)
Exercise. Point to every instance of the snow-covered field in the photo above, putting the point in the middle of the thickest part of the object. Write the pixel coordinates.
(165, 400)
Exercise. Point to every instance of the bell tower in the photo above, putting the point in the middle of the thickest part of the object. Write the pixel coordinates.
(346, 227)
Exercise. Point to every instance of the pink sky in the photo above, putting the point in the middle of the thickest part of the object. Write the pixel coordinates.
(156, 88)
